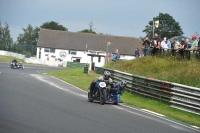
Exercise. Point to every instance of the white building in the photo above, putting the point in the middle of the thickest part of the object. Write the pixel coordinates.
(58, 47)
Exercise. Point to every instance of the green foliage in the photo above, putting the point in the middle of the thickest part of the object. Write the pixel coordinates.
(75, 76)
(5, 38)
(168, 27)
(30, 36)
(166, 68)
(87, 31)
(9, 59)
(53, 26)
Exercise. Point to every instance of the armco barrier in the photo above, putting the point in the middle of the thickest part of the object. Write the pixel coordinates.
(99, 70)
(179, 96)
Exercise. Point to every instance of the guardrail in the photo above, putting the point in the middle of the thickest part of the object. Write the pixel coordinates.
(178, 96)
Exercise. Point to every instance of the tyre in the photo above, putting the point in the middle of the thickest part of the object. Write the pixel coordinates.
(115, 103)
(103, 95)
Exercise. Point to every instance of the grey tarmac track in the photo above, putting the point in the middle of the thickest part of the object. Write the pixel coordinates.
(31, 102)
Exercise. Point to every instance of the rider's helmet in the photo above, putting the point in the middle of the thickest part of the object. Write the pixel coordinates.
(20, 62)
(123, 84)
(107, 75)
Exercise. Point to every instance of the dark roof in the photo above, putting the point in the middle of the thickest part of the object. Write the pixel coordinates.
(77, 41)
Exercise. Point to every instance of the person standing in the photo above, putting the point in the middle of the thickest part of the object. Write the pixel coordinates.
(146, 46)
(158, 42)
(137, 53)
(168, 43)
(194, 43)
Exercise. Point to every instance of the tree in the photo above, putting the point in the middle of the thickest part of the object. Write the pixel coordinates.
(168, 27)
(29, 37)
(5, 37)
(1, 36)
(89, 30)
(53, 26)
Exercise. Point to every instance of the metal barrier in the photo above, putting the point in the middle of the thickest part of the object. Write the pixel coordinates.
(178, 96)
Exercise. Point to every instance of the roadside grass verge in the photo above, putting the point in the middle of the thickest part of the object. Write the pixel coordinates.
(165, 68)
(9, 59)
(77, 78)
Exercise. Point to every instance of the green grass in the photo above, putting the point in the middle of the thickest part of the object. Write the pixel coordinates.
(167, 69)
(78, 78)
(9, 59)
(75, 77)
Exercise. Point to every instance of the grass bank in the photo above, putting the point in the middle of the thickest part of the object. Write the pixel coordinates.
(9, 59)
(78, 78)
(167, 69)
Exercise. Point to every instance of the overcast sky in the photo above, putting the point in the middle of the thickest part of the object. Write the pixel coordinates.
(115, 17)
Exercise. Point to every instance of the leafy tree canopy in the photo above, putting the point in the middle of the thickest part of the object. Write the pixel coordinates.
(88, 31)
(53, 26)
(5, 37)
(30, 36)
(168, 27)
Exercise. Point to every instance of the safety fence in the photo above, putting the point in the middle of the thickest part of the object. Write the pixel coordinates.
(179, 96)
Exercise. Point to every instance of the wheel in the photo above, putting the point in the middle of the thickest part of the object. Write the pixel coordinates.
(103, 96)
(90, 99)
(115, 103)
(22, 67)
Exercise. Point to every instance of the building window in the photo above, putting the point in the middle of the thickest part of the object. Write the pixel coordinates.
(72, 52)
(46, 50)
(52, 50)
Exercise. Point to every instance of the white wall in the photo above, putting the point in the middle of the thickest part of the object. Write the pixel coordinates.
(12, 54)
(127, 57)
(82, 55)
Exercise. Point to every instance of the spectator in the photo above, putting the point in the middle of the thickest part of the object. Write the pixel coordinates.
(146, 46)
(168, 44)
(153, 46)
(186, 48)
(118, 56)
(198, 44)
(183, 42)
(194, 43)
(107, 58)
(137, 53)
(176, 46)
(164, 43)
(158, 42)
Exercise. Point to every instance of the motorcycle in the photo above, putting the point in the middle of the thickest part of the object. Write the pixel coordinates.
(100, 94)
(15, 65)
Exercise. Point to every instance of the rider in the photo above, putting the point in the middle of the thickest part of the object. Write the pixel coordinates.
(106, 78)
(14, 61)
(118, 88)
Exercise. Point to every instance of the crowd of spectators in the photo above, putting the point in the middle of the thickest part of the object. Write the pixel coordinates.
(157, 46)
